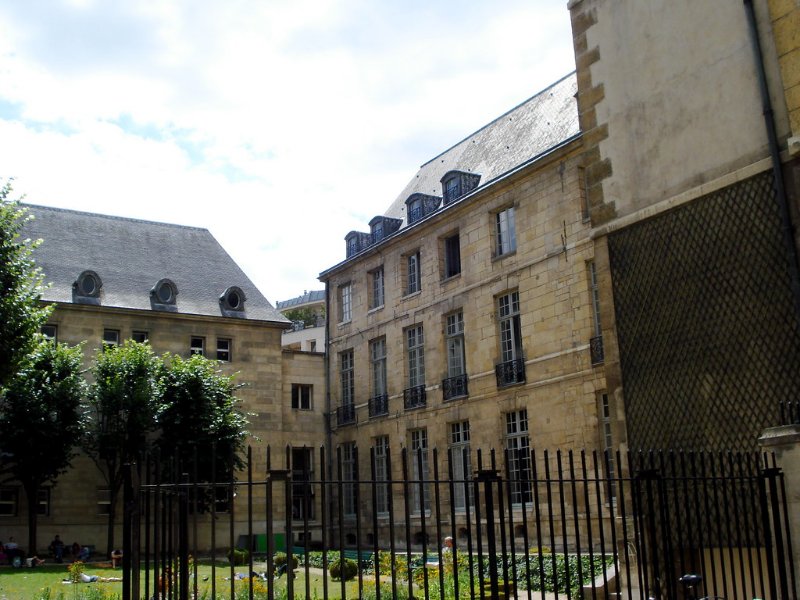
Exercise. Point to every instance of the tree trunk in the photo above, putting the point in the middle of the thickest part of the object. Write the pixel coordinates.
(112, 514)
(32, 493)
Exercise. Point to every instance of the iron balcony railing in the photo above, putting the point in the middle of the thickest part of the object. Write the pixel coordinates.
(790, 413)
(379, 406)
(414, 397)
(596, 350)
(510, 372)
(455, 387)
(346, 414)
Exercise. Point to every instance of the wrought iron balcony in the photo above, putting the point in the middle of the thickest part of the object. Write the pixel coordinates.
(414, 397)
(346, 414)
(510, 372)
(596, 350)
(455, 387)
(379, 406)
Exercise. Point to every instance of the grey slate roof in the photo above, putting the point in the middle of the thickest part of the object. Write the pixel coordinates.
(311, 297)
(131, 256)
(539, 124)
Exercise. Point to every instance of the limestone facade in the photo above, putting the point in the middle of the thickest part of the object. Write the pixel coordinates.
(561, 393)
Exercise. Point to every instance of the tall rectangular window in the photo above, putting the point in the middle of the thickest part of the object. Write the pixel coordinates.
(608, 445)
(103, 501)
(594, 290)
(519, 456)
(452, 256)
(197, 345)
(301, 396)
(510, 327)
(345, 303)
(456, 361)
(43, 502)
(111, 337)
(460, 460)
(302, 489)
(224, 349)
(382, 490)
(419, 470)
(413, 273)
(349, 478)
(377, 289)
(415, 348)
(377, 352)
(9, 501)
(505, 234)
(347, 377)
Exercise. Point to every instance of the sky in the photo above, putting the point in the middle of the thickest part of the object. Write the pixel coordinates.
(278, 125)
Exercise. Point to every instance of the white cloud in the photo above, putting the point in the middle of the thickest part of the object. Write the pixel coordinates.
(280, 126)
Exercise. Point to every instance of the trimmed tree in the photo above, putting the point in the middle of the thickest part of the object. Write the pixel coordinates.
(124, 402)
(201, 425)
(41, 422)
(21, 312)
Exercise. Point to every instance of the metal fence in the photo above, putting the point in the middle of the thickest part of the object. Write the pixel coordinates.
(462, 524)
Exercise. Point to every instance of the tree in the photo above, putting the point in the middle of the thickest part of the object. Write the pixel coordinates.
(201, 425)
(21, 312)
(306, 315)
(41, 422)
(124, 402)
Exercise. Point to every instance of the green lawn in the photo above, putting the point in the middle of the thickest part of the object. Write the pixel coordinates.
(33, 584)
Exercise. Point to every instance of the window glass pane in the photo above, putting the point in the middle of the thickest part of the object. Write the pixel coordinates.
(224, 350)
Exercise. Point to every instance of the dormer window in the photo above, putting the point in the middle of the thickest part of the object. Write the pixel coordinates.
(164, 292)
(419, 205)
(233, 299)
(377, 232)
(88, 285)
(381, 227)
(457, 183)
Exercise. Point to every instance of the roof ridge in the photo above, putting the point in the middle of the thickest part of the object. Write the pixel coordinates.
(112, 217)
(493, 121)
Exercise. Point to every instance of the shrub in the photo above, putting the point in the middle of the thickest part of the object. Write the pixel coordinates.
(280, 560)
(239, 556)
(343, 570)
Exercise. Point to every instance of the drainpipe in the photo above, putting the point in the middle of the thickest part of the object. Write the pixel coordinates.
(775, 155)
(327, 362)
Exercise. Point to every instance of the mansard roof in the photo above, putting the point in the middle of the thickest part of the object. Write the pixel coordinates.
(312, 297)
(526, 131)
(130, 257)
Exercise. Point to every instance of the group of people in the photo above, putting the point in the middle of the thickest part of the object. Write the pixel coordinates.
(11, 553)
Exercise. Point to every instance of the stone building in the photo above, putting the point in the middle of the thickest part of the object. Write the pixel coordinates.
(114, 279)
(467, 316)
(307, 335)
(690, 113)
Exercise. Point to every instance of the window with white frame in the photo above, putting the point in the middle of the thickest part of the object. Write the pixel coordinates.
(608, 445)
(519, 456)
(224, 349)
(413, 273)
(139, 336)
(377, 352)
(377, 288)
(347, 377)
(103, 501)
(382, 491)
(419, 470)
(510, 327)
(454, 331)
(43, 502)
(50, 332)
(594, 290)
(9, 501)
(301, 396)
(349, 476)
(460, 460)
(197, 345)
(111, 337)
(415, 349)
(345, 303)
(505, 234)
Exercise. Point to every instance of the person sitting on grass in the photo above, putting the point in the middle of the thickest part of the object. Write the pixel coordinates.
(116, 558)
(33, 561)
(56, 548)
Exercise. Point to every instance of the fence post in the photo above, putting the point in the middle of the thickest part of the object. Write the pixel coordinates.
(489, 477)
(127, 547)
(183, 538)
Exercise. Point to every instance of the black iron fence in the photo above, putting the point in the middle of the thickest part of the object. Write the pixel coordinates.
(462, 524)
